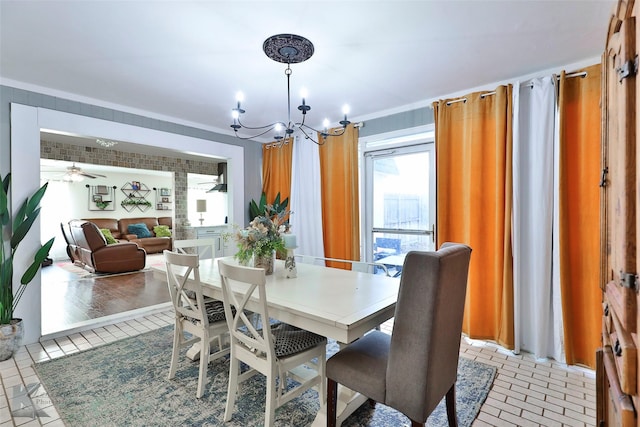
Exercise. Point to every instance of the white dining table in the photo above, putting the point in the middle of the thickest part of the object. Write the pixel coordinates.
(339, 304)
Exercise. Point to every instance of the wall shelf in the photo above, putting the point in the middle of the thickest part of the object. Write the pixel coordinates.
(135, 196)
(101, 197)
(164, 201)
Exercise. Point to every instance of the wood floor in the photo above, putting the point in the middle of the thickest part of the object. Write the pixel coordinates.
(68, 299)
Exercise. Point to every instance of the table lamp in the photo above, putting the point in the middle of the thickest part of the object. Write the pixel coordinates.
(201, 206)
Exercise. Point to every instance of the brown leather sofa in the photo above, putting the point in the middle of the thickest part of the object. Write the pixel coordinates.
(96, 256)
(120, 231)
(151, 244)
(109, 223)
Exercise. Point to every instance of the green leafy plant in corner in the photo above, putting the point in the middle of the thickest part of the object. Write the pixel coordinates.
(13, 232)
(262, 208)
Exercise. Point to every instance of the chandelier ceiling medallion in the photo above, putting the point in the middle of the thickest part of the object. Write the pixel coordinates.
(288, 49)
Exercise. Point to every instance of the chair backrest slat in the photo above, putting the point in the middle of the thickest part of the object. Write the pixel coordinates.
(204, 248)
(239, 285)
(185, 288)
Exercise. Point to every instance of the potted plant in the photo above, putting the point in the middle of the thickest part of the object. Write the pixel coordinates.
(262, 208)
(261, 240)
(14, 229)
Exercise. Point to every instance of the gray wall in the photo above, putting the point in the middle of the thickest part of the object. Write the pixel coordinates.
(252, 150)
(405, 120)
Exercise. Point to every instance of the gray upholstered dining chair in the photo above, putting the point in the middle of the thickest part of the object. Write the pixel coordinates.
(416, 366)
(203, 318)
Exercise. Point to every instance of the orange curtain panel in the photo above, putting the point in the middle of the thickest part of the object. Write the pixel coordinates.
(340, 199)
(579, 210)
(276, 170)
(474, 199)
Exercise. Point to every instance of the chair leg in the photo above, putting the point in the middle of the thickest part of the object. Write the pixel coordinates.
(451, 406)
(416, 424)
(204, 365)
(332, 402)
(270, 407)
(177, 332)
(322, 372)
(232, 387)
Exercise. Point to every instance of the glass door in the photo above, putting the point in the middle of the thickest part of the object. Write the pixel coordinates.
(400, 204)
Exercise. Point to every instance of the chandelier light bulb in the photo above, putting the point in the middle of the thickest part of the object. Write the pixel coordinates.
(345, 111)
(235, 114)
(325, 124)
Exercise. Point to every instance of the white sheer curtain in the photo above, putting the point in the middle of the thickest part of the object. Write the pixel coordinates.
(305, 198)
(538, 324)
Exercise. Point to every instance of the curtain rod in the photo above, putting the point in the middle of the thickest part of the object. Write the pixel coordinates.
(465, 99)
(530, 84)
(577, 74)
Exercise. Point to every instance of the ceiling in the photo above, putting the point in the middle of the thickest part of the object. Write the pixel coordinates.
(185, 60)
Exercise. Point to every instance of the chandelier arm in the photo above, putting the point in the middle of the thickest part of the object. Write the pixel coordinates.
(252, 137)
(307, 136)
(268, 127)
(333, 132)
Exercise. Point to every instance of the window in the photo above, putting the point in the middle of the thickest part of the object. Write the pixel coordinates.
(399, 210)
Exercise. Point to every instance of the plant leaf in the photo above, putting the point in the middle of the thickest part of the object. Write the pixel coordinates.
(23, 229)
(40, 255)
(4, 201)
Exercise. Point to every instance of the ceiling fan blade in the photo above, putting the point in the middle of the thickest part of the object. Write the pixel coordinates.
(91, 175)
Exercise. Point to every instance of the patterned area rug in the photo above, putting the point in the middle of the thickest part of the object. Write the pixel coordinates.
(125, 384)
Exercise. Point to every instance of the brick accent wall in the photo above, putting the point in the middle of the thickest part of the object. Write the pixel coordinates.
(114, 157)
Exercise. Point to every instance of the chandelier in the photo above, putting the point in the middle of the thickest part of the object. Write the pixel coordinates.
(288, 49)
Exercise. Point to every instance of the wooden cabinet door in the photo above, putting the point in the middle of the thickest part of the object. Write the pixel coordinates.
(620, 164)
(618, 369)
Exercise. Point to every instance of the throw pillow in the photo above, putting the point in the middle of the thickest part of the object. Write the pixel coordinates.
(139, 230)
(162, 231)
(108, 236)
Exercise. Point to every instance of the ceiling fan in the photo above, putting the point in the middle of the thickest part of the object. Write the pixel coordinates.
(77, 174)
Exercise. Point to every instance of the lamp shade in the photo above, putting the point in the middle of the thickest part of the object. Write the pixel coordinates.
(201, 205)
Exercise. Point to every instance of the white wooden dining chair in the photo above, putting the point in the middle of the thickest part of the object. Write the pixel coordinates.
(361, 266)
(204, 320)
(204, 248)
(275, 354)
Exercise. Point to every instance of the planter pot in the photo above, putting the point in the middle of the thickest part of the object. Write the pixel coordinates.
(10, 338)
(266, 262)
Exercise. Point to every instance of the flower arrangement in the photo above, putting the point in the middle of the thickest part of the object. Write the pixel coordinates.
(261, 237)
